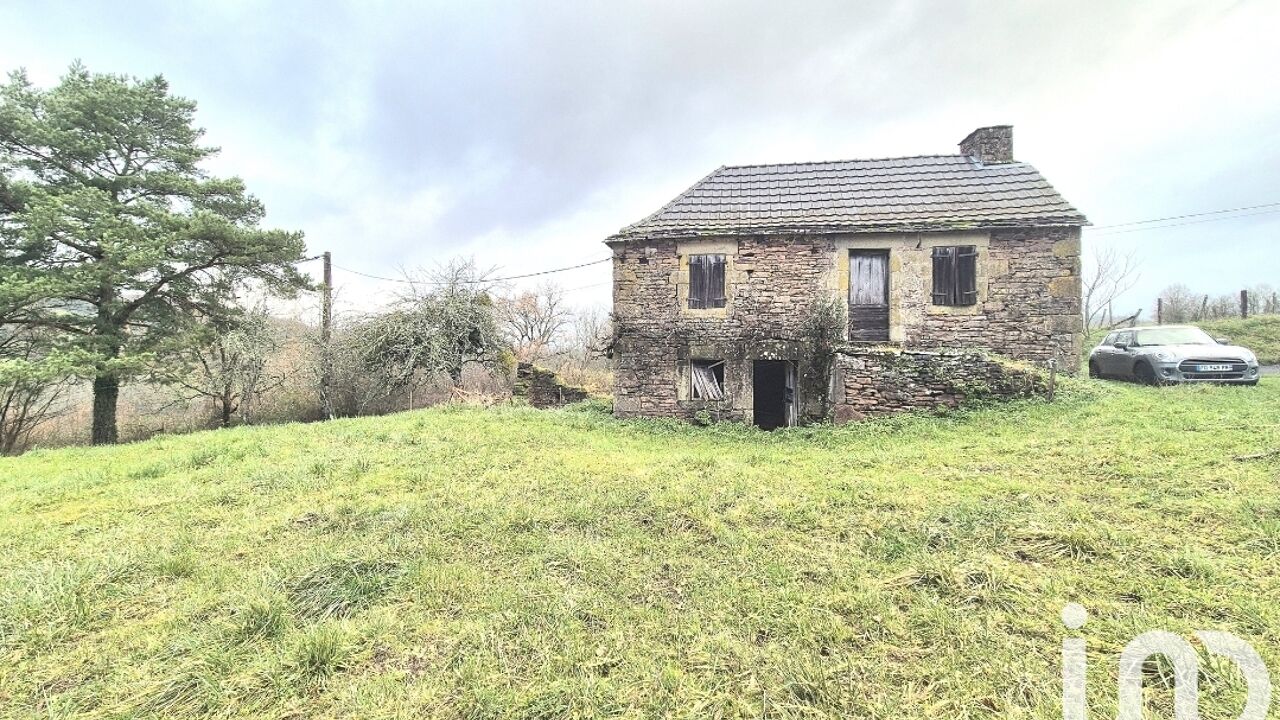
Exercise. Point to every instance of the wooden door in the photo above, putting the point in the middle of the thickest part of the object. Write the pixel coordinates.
(789, 397)
(869, 295)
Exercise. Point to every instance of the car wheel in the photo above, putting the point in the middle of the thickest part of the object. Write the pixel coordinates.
(1145, 374)
(1094, 370)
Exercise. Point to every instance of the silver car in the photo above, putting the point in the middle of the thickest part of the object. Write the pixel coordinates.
(1162, 354)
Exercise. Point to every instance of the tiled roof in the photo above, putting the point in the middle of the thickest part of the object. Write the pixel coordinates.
(933, 192)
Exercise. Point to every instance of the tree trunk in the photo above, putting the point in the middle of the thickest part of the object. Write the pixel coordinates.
(226, 412)
(106, 392)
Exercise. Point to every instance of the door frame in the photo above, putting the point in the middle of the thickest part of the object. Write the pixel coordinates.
(790, 390)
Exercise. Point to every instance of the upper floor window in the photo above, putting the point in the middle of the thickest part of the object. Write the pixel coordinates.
(955, 275)
(706, 281)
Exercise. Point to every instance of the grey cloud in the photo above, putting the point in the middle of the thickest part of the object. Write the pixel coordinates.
(523, 115)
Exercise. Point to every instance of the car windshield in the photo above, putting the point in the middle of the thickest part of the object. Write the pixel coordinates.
(1174, 336)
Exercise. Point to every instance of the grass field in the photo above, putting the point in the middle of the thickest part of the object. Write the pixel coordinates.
(1260, 333)
(469, 563)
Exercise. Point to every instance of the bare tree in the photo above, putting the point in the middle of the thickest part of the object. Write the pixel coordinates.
(1179, 304)
(1110, 274)
(229, 368)
(533, 321)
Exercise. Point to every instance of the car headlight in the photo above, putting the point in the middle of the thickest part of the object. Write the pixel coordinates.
(1250, 358)
(1163, 355)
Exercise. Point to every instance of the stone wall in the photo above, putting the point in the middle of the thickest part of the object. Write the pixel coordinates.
(771, 284)
(882, 381)
(543, 389)
(1028, 309)
(989, 144)
(1029, 304)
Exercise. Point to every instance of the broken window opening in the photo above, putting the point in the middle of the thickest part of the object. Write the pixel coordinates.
(706, 281)
(708, 379)
(955, 275)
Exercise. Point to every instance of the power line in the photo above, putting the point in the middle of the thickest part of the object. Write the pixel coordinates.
(1189, 222)
(588, 287)
(481, 281)
(1190, 215)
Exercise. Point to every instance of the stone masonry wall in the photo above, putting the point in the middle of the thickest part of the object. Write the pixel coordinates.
(882, 381)
(1028, 309)
(543, 389)
(1031, 310)
(770, 286)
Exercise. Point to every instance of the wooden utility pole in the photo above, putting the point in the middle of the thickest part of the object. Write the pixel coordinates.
(326, 335)
(1159, 311)
(1244, 303)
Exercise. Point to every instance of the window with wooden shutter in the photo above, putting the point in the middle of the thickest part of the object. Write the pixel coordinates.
(706, 281)
(955, 275)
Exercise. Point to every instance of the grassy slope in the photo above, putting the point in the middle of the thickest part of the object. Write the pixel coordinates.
(515, 563)
(1260, 333)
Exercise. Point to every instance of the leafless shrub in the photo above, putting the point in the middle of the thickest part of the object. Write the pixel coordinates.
(228, 365)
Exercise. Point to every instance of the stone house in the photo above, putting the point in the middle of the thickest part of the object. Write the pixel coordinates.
(752, 293)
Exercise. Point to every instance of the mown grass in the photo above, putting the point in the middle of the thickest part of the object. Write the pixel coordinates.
(468, 563)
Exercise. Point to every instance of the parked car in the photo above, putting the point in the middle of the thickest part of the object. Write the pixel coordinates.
(1166, 354)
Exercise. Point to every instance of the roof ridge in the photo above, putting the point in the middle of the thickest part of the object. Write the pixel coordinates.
(853, 160)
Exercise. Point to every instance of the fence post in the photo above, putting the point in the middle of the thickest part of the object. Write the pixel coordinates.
(1053, 377)
(1159, 311)
(1244, 303)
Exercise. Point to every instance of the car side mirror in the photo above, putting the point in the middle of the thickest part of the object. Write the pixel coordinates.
(1120, 346)
(1222, 341)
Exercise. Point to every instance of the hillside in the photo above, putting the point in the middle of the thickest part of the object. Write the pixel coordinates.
(470, 563)
(1260, 333)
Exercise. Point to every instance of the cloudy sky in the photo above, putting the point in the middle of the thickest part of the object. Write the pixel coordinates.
(400, 134)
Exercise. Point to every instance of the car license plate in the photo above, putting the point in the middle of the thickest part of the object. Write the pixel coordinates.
(1213, 368)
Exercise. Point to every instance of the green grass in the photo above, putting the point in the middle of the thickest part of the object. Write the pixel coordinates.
(1260, 333)
(468, 563)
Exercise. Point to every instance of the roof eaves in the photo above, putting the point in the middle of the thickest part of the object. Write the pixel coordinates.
(928, 226)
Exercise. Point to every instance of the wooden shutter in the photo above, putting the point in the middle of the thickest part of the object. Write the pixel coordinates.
(868, 278)
(706, 281)
(715, 281)
(944, 285)
(697, 282)
(966, 275)
(707, 380)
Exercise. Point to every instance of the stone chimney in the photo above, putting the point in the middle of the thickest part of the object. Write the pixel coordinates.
(989, 145)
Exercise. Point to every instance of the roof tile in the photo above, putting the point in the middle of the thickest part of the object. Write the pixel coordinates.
(935, 192)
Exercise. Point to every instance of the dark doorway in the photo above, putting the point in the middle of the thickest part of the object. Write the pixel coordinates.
(773, 389)
(869, 295)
